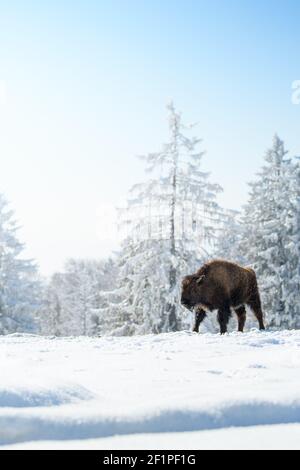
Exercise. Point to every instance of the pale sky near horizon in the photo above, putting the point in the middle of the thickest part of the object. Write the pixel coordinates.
(83, 90)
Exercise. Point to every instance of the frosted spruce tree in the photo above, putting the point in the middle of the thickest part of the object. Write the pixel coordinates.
(170, 221)
(271, 237)
(19, 285)
(292, 288)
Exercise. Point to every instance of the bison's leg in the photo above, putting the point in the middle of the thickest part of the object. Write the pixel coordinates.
(241, 314)
(223, 318)
(255, 305)
(199, 317)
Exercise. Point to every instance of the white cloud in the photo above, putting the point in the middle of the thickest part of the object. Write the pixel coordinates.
(3, 92)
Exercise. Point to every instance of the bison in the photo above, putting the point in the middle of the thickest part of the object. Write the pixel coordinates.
(221, 285)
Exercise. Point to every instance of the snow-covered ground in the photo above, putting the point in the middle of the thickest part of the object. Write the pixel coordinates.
(179, 390)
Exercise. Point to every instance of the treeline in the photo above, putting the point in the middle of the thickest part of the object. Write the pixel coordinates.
(172, 223)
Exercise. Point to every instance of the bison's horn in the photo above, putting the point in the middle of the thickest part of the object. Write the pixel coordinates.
(200, 279)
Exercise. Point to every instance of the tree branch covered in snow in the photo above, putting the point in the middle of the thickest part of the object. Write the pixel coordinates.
(19, 285)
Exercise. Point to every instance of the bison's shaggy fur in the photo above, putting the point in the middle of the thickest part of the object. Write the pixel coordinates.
(222, 285)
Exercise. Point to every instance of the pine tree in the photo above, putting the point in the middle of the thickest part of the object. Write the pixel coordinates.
(171, 220)
(19, 284)
(271, 238)
(292, 271)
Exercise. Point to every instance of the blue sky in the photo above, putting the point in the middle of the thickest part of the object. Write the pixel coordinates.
(83, 89)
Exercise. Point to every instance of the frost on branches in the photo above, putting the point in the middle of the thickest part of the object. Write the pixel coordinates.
(228, 245)
(73, 300)
(19, 287)
(170, 223)
(271, 236)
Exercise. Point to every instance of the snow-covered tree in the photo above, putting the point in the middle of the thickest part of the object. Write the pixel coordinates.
(271, 236)
(51, 312)
(19, 284)
(229, 237)
(73, 298)
(170, 220)
(291, 290)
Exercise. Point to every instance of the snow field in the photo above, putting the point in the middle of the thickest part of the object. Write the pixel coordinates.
(74, 389)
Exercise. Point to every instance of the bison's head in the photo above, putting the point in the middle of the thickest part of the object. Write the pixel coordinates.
(192, 291)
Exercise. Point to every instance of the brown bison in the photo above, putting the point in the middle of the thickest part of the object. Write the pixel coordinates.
(221, 285)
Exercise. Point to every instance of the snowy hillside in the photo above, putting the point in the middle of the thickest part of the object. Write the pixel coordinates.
(103, 391)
